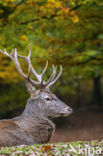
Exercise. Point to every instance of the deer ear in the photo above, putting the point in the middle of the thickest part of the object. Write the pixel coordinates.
(30, 87)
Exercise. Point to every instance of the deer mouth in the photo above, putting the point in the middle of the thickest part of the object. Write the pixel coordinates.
(68, 111)
(65, 114)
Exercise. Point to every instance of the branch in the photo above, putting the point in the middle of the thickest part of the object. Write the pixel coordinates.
(46, 17)
(76, 7)
(38, 19)
(78, 63)
(9, 10)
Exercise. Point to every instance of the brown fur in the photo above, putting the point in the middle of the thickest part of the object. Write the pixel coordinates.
(34, 125)
(14, 132)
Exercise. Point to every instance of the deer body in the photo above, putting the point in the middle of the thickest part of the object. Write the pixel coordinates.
(25, 130)
(34, 126)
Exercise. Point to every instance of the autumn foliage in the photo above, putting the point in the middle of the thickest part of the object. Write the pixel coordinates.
(66, 32)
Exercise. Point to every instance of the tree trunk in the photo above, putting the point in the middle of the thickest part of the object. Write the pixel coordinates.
(97, 95)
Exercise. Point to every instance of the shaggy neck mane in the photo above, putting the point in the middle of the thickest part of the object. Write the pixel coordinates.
(34, 122)
(31, 110)
(33, 115)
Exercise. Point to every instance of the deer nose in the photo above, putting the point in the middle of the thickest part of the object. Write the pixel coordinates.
(69, 110)
(66, 112)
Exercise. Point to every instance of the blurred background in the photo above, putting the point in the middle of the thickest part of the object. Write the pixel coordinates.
(66, 32)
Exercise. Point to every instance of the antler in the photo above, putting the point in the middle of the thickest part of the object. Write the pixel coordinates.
(40, 83)
(14, 57)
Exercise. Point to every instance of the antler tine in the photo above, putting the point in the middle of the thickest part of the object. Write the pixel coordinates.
(14, 58)
(52, 76)
(5, 53)
(55, 69)
(51, 83)
(29, 71)
(29, 52)
(42, 74)
(27, 59)
(27, 77)
(44, 70)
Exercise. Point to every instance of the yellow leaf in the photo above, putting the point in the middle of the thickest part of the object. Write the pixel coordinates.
(75, 19)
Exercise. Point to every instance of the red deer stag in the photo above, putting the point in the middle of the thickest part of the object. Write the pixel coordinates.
(34, 125)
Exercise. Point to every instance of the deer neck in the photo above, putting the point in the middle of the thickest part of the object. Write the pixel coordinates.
(33, 115)
(35, 123)
(31, 110)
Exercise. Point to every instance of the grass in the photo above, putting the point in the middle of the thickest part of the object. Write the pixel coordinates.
(79, 148)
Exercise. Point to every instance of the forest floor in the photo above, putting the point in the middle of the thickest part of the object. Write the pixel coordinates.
(91, 148)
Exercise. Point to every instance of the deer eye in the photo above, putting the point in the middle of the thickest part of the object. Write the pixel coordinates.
(47, 98)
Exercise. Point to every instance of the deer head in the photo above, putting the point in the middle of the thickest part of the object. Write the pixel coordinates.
(41, 99)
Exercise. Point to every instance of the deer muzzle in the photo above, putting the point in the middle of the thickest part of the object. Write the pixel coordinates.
(66, 112)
